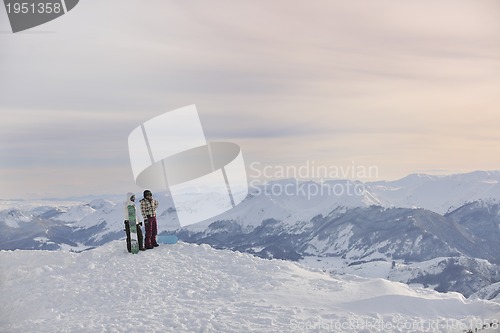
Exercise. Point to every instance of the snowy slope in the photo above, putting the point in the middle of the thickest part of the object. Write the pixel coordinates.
(191, 288)
(491, 292)
(291, 200)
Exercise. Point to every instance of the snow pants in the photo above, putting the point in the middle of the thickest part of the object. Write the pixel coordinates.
(151, 232)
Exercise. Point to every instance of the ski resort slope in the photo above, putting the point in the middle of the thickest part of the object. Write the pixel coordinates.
(194, 288)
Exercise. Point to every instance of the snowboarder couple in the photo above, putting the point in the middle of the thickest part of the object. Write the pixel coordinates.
(148, 210)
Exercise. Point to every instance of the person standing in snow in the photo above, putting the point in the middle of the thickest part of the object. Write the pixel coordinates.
(131, 217)
(148, 210)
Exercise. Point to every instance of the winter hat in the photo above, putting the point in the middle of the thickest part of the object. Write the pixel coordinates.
(129, 196)
(147, 192)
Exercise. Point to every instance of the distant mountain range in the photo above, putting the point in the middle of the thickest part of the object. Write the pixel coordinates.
(442, 232)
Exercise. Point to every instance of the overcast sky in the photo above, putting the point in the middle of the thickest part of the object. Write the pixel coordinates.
(407, 86)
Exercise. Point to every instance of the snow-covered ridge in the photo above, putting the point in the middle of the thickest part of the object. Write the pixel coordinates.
(344, 231)
(192, 288)
(438, 193)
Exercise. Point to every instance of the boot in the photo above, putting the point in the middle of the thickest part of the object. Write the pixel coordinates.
(148, 243)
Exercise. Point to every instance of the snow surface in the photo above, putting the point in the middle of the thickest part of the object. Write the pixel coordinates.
(194, 288)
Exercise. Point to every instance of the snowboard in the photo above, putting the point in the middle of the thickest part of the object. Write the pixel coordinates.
(167, 239)
(134, 248)
(133, 239)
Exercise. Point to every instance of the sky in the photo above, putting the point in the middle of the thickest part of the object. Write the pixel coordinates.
(403, 86)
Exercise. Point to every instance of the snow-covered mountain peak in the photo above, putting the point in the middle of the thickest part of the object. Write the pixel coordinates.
(437, 193)
(417, 178)
(101, 204)
(12, 217)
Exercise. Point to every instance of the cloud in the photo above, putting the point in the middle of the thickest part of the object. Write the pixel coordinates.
(289, 80)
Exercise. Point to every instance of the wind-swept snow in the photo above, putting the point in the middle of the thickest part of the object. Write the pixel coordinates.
(192, 288)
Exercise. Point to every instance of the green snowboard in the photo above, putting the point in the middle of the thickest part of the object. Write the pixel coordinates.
(133, 230)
